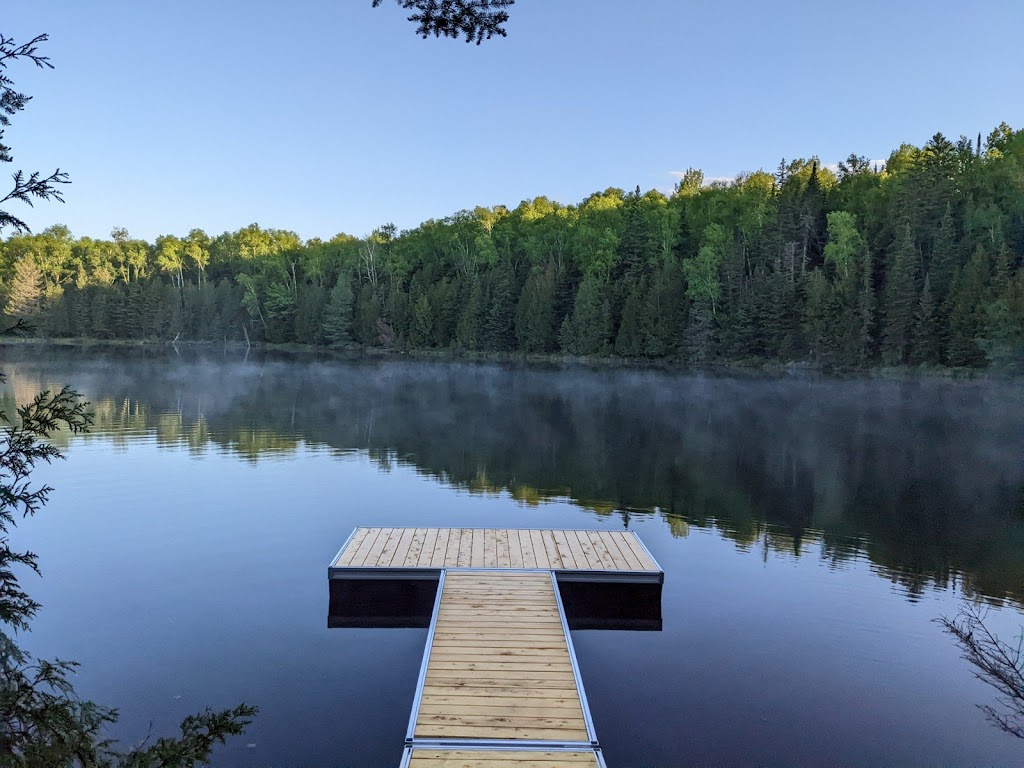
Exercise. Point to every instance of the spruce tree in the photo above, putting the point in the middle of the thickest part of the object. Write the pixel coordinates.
(967, 319)
(338, 312)
(535, 328)
(901, 298)
(467, 332)
(945, 258)
(421, 323)
(588, 330)
(499, 326)
(926, 332)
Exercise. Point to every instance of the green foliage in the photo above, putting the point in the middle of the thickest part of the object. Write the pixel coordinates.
(338, 313)
(588, 329)
(802, 265)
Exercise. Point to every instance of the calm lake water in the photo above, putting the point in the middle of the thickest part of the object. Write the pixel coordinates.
(811, 530)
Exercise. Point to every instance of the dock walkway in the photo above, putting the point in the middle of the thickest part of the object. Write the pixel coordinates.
(499, 686)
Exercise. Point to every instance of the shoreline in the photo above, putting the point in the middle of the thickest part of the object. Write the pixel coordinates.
(752, 368)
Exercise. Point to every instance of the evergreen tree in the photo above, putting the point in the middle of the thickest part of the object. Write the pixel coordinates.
(467, 335)
(629, 341)
(967, 317)
(588, 329)
(901, 298)
(535, 329)
(499, 325)
(422, 323)
(925, 350)
(945, 258)
(338, 313)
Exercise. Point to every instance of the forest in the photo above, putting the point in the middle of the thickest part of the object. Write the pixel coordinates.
(917, 261)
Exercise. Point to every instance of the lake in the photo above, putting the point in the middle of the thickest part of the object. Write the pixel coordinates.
(811, 530)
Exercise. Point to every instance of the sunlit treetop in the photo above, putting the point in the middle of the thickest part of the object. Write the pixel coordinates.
(477, 20)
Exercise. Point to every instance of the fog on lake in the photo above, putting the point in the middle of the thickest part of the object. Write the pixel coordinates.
(810, 529)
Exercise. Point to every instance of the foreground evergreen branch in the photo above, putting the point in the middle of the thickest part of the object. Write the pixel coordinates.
(43, 722)
(996, 662)
(33, 185)
(477, 20)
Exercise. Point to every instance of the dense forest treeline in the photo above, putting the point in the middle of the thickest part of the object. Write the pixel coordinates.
(916, 262)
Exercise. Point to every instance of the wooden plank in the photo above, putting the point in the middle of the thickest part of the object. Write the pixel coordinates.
(412, 556)
(466, 547)
(427, 551)
(432, 758)
(494, 693)
(526, 548)
(477, 552)
(619, 539)
(621, 553)
(452, 549)
(388, 552)
(356, 550)
(565, 554)
(480, 635)
(402, 548)
(638, 551)
(345, 557)
(374, 552)
(515, 549)
(503, 556)
(573, 542)
(609, 560)
(535, 732)
(593, 561)
(490, 548)
(551, 550)
(481, 685)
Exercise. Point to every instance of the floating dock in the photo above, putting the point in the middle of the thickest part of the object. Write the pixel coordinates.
(408, 553)
(499, 686)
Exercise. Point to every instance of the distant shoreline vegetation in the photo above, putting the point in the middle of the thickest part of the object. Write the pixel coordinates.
(918, 264)
(673, 365)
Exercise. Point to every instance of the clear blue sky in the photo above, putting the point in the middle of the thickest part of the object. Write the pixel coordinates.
(323, 116)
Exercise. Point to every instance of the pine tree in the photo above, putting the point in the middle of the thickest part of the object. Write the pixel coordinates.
(967, 319)
(900, 298)
(338, 313)
(926, 332)
(629, 341)
(588, 329)
(368, 314)
(945, 258)
(309, 314)
(499, 325)
(421, 323)
(467, 333)
(535, 328)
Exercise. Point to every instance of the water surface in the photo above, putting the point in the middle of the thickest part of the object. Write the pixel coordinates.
(810, 530)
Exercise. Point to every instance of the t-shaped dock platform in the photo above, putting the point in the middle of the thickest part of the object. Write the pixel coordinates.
(499, 684)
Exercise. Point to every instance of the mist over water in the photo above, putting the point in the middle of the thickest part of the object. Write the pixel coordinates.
(810, 530)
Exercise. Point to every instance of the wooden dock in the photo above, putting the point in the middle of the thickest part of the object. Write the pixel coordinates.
(499, 686)
(406, 553)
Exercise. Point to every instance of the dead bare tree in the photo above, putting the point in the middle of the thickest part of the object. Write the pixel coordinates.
(996, 662)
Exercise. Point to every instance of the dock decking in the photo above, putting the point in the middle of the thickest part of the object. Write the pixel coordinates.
(466, 758)
(423, 552)
(499, 665)
(499, 686)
